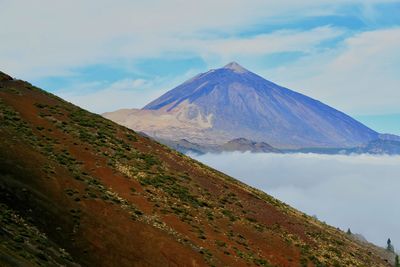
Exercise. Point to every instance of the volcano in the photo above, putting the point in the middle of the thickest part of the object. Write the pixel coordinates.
(232, 102)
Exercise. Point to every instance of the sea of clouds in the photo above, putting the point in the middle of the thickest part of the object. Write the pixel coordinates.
(360, 192)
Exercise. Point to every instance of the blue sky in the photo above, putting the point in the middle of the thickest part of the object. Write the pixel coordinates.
(106, 55)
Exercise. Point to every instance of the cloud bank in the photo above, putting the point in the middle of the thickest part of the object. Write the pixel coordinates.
(360, 192)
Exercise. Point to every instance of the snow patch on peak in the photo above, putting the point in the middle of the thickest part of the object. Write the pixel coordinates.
(234, 66)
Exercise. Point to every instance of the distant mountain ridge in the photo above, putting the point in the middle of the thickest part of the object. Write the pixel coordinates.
(243, 145)
(238, 144)
(232, 102)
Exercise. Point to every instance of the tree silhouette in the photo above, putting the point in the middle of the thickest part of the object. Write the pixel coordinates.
(389, 245)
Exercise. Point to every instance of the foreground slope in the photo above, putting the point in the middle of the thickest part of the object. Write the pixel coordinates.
(232, 102)
(101, 195)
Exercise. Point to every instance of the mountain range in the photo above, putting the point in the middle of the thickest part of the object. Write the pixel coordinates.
(228, 103)
(77, 189)
(237, 145)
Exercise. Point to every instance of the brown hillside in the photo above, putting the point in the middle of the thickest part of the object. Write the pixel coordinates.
(93, 193)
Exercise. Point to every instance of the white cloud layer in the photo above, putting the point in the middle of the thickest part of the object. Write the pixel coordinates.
(360, 191)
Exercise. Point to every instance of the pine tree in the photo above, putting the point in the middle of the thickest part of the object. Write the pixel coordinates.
(389, 245)
(397, 261)
(349, 231)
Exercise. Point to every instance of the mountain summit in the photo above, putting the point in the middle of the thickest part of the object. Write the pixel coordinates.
(232, 102)
(235, 67)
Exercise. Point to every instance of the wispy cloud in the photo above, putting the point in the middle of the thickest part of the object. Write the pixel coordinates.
(275, 42)
(359, 76)
(360, 191)
(100, 97)
(48, 38)
(103, 96)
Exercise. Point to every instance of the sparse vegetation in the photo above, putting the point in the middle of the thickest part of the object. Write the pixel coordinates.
(27, 244)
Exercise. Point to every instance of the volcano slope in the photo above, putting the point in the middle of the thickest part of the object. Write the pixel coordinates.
(79, 190)
(232, 102)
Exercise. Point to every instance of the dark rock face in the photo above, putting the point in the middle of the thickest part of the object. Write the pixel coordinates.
(243, 104)
(243, 145)
(380, 146)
